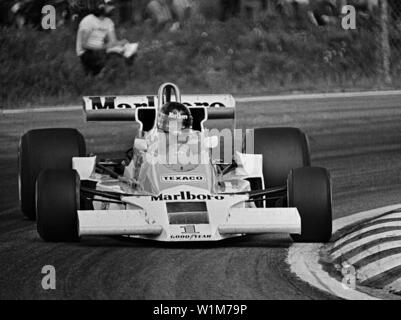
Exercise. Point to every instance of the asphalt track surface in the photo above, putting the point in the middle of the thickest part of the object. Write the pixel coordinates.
(358, 139)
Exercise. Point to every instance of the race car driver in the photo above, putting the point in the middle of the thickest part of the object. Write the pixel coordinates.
(174, 118)
(171, 140)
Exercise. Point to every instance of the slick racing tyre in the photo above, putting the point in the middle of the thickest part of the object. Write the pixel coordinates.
(309, 190)
(57, 203)
(44, 149)
(283, 149)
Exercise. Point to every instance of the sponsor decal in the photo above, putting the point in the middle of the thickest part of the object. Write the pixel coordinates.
(190, 236)
(174, 115)
(109, 103)
(185, 195)
(205, 104)
(103, 103)
(189, 233)
(182, 178)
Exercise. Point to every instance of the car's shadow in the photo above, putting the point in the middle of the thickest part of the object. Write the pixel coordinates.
(248, 241)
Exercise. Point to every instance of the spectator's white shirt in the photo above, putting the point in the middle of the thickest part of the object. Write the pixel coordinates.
(99, 31)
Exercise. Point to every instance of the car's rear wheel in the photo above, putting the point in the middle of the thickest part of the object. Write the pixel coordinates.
(43, 149)
(57, 203)
(283, 149)
(309, 190)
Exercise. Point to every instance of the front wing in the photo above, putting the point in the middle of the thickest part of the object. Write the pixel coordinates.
(240, 221)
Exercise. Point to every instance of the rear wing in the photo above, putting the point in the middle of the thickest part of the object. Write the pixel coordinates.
(122, 108)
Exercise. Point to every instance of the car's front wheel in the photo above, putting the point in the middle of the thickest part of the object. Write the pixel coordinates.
(309, 190)
(57, 203)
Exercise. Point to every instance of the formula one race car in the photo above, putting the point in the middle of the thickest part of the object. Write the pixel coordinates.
(172, 186)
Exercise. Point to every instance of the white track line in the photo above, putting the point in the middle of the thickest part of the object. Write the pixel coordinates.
(304, 259)
(312, 96)
(315, 96)
(376, 249)
(377, 267)
(370, 228)
(41, 110)
(356, 244)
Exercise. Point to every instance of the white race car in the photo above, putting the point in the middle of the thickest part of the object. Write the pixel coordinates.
(171, 187)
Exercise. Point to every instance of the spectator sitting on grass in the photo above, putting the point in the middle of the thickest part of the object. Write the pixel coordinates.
(96, 39)
(159, 14)
(181, 11)
(168, 14)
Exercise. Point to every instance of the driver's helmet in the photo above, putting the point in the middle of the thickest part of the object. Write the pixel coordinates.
(174, 117)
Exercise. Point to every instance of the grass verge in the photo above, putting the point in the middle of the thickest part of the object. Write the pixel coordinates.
(271, 56)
